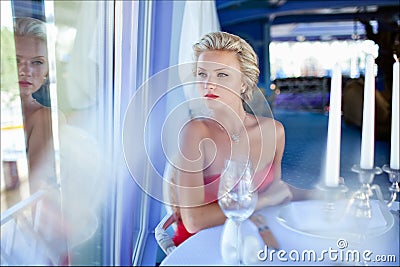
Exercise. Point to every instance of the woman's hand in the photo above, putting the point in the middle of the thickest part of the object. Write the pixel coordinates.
(277, 193)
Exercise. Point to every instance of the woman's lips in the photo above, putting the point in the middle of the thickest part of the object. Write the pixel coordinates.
(211, 96)
(24, 84)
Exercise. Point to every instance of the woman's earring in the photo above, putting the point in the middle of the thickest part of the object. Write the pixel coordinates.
(243, 88)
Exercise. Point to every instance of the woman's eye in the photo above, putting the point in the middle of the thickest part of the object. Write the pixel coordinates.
(37, 62)
(201, 74)
(222, 74)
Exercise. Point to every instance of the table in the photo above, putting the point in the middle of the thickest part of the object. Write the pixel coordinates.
(203, 248)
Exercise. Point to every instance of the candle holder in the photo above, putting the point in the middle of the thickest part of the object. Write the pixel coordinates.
(394, 177)
(360, 199)
(331, 194)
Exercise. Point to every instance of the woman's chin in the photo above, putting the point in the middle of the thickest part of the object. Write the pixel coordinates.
(215, 105)
(27, 92)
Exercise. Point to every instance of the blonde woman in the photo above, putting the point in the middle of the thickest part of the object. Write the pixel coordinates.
(33, 69)
(226, 70)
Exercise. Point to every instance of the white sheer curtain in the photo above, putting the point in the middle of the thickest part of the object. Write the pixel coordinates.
(191, 20)
(199, 18)
(84, 49)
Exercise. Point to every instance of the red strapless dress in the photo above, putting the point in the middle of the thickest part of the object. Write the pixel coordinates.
(263, 177)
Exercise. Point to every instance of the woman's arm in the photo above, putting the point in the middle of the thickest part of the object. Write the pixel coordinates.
(194, 213)
(279, 191)
(40, 149)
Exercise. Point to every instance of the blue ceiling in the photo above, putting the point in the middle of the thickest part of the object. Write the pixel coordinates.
(313, 19)
(261, 21)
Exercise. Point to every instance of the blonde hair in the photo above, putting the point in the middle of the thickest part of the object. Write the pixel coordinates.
(248, 59)
(30, 27)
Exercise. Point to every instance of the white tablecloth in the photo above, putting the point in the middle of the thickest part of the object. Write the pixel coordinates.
(297, 247)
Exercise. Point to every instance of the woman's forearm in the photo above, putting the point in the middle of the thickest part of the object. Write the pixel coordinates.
(198, 218)
(277, 193)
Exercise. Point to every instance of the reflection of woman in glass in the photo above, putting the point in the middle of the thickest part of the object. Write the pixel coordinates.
(33, 69)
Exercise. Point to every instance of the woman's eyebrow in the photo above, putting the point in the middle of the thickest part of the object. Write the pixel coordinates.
(39, 57)
(219, 69)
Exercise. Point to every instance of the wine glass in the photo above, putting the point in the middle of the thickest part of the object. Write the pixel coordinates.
(237, 195)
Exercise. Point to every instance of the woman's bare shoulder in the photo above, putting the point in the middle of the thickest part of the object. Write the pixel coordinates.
(42, 111)
(279, 127)
(190, 141)
(193, 132)
(41, 116)
(268, 123)
(195, 128)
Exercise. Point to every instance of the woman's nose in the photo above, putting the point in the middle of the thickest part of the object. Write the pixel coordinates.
(24, 69)
(209, 85)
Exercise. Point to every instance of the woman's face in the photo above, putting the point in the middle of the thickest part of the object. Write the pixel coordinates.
(32, 63)
(219, 76)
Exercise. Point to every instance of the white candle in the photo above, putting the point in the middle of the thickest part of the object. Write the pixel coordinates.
(368, 122)
(332, 164)
(395, 145)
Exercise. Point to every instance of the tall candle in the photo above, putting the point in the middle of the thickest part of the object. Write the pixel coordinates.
(332, 164)
(395, 145)
(368, 122)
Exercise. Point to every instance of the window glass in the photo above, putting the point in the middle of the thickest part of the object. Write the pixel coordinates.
(13, 156)
(71, 109)
(84, 90)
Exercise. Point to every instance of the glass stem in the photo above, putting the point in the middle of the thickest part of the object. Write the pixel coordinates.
(239, 253)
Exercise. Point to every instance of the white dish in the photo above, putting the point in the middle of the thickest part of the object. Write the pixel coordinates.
(318, 219)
